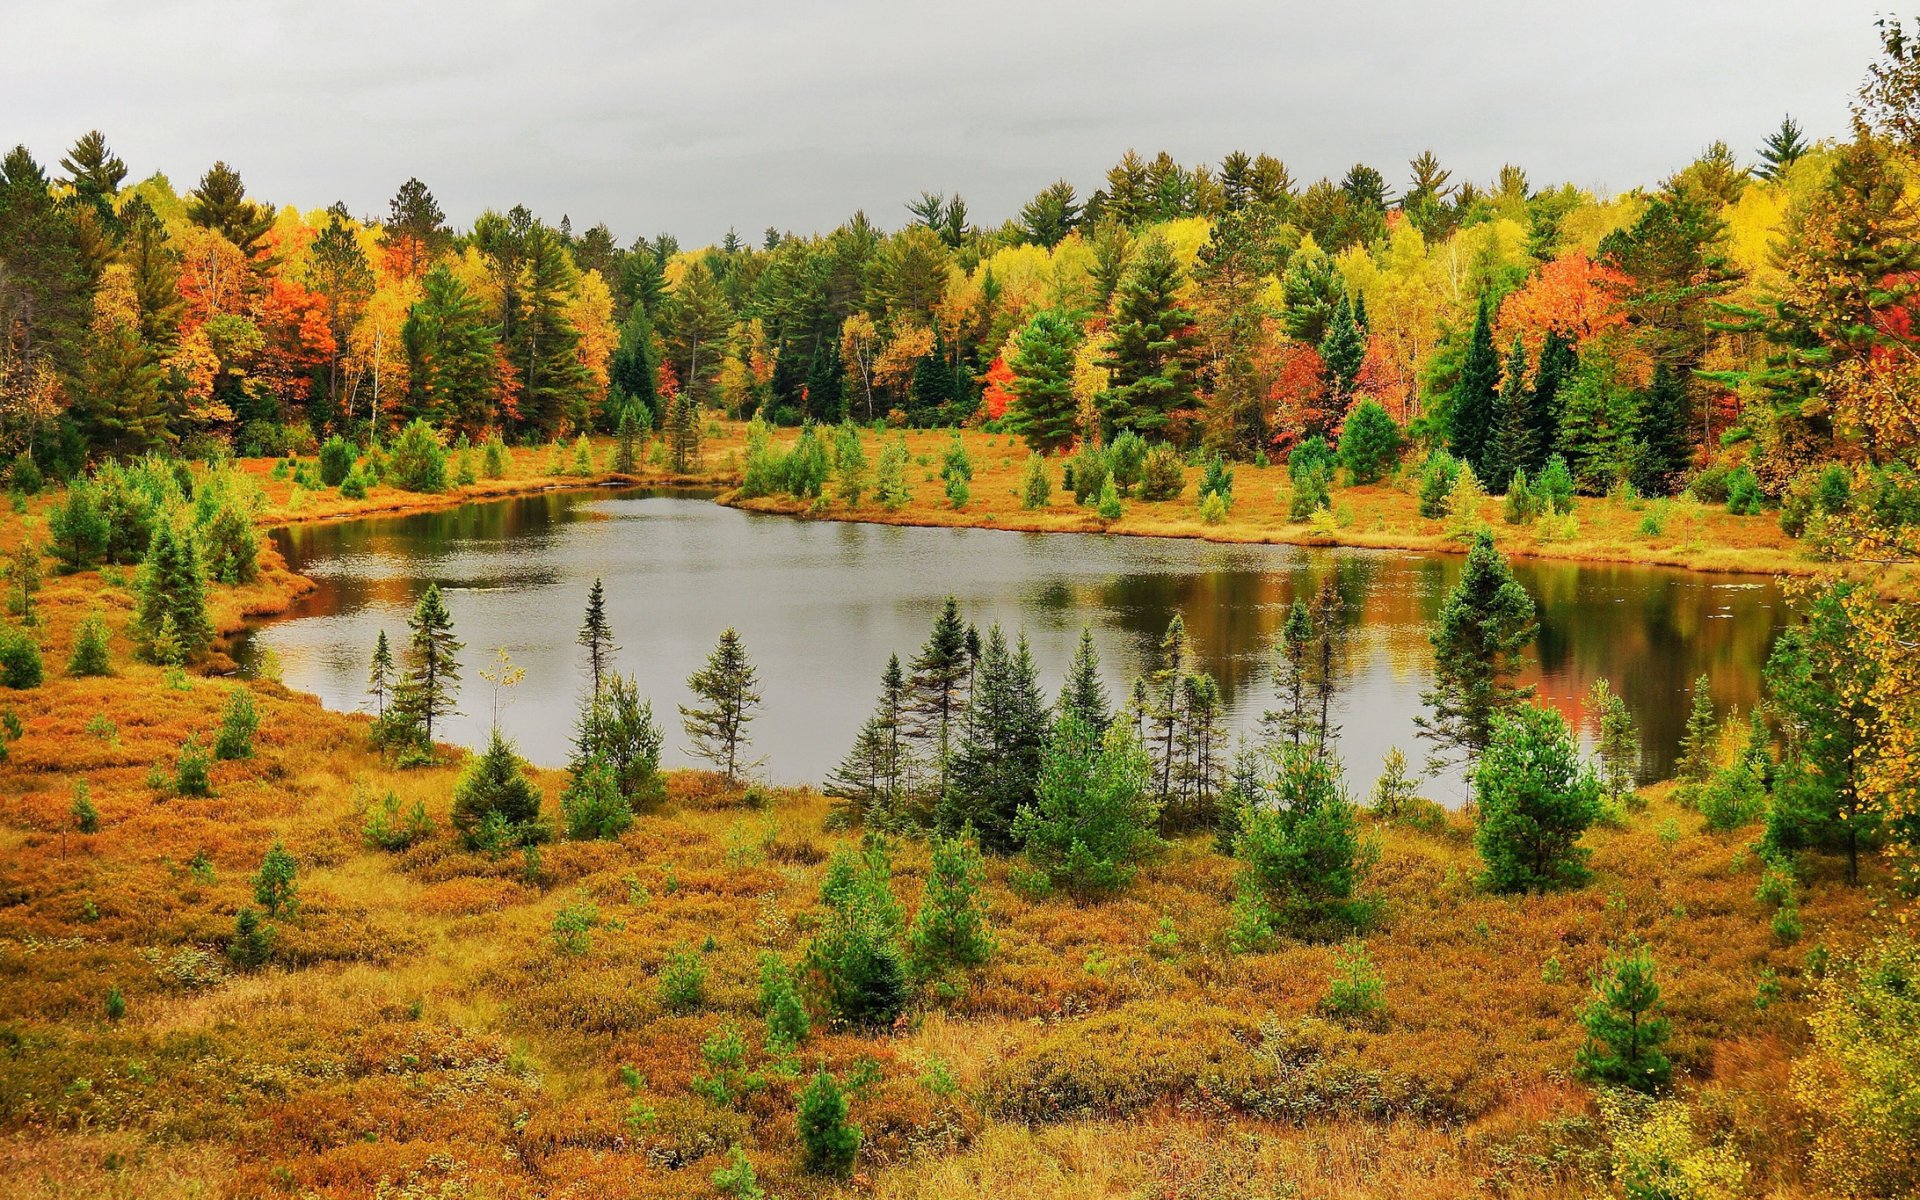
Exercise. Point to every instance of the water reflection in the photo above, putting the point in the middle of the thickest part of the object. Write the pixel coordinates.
(821, 605)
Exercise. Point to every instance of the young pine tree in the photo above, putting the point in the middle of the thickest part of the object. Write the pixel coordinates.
(1084, 695)
(494, 801)
(1699, 745)
(950, 930)
(1536, 800)
(431, 681)
(1094, 819)
(1625, 1031)
(728, 688)
(829, 1144)
(937, 695)
(1002, 735)
(1485, 625)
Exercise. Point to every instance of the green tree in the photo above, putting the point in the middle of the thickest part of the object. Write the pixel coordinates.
(1783, 147)
(239, 720)
(274, 884)
(872, 781)
(1625, 1030)
(1084, 695)
(544, 344)
(431, 678)
(79, 529)
(828, 1143)
(1299, 845)
(1616, 742)
(1700, 744)
(1003, 732)
(938, 681)
(1093, 820)
(1370, 442)
(728, 688)
(1151, 349)
(171, 597)
(1536, 801)
(596, 636)
(1510, 442)
(452, 352)
(1342, 349)
(1045, 410)
(220, 203)
(91, 649)
(494, 800)
(950, 929)
(1480, 640)
(1470, 412)
(856, 953)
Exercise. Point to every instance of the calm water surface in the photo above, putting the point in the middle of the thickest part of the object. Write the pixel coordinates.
(822, 604)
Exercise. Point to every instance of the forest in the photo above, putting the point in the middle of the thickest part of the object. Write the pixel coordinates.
(1039, 937)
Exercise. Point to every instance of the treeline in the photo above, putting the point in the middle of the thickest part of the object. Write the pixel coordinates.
(1750, 315)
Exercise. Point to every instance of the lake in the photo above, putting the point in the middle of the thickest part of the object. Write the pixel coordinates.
(820, 606)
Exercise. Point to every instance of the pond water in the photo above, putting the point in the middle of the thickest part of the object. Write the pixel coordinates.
(821, 605)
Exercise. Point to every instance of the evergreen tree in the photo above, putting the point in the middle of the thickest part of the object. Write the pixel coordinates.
(729, 687)
(1045, 409)
(873, 780)
(494, 803)
(451, 347)
(91, 653)
(1536, 800)
(274, 887)
(1558, 362)
(1292, 673)
(220, 203)
(633, 372)
(431, 678)
(1699, 745)
(1165, 716)
(1783, 147)
(1624, 1027)
(1470, 416)
(1093, 819)
(1615, 741)
(1299, 846)
(938, 688)
(829, 1145)
(172, 596)
(1152, 344)
(616, 730)
(380, 678)
(1002, 735)
(1342, 349)
(1660, 430)
(856, 953)
(950, 930)
(1485, 625)
(79, 530)
(1370, 442)
(1084, 695)
(596, 636)
(1510, 444)
(120, 391)
(1820, 687)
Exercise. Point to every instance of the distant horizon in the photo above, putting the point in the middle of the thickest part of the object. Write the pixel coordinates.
(694, 123)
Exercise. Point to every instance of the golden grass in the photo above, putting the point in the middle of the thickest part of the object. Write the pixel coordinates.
(419, 1031)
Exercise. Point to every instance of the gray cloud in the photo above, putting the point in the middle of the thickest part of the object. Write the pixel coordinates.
(748, 113)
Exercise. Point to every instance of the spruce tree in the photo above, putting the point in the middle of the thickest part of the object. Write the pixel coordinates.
(380, 679)
(1152, 344)
(1370, 442)
(1290, 722)
(172, 597)
(450, 341)
(1510, 444)
(728, 687)
(494, 803)
(1002, 734)
(1480, 639)
(1342, 349)
(1299, 846)
(544, 346)
(1615, 741)
(873, 779)
(1558, 362)
(1624, 1027)
(596, 636)
(1471, 412)
(1093, 819)
(626, 445)
(431, 676)
(1699, 745)
(1661, 428)
(1044, 408)
(1165, 716)
(1084, 695)
(1783, 147)
(938, 679)
(1536, 800)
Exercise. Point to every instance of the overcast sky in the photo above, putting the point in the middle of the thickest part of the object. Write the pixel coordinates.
(694, 117)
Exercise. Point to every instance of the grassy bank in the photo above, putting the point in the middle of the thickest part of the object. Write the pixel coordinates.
(422, 1033)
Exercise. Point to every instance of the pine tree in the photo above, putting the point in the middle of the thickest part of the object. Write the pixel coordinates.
(1152, 344)
(494, 804)
(1558, 362)
(829, 1145)
(1661, 430)
(1342, 349)
(1783, 147)
(1699, 745)
(1485, 625)
(1615, 741)
(1084, 695)
(938, 688)
(729, 687)
(432, 668)
(544, 348)
(451, 347)
(950, 930)
(173, 595)
(1093, 819)
(1370, 442)
(1510, 444)
(380, 676)
(1045, 409)
(1291, 674)
(596, 636)
(1002, 734)
(873, 780)
(1165, 716)
(1624, 1028)
(1471, 412)
(633, 372)
(220, 203)
(626, 444)
(1298, 843)
(1536, 800)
